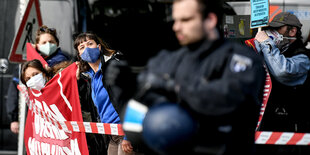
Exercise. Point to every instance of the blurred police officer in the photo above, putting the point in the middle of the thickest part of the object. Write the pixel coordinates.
(220, 83)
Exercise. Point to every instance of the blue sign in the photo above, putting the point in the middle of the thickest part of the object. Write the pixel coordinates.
(301, 14)
(259, 13)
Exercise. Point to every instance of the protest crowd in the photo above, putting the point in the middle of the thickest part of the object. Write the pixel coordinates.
(204, 98)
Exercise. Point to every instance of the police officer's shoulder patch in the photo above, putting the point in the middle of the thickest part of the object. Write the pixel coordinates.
(240, 63)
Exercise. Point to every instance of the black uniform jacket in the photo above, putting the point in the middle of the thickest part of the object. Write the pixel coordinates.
(221, 83)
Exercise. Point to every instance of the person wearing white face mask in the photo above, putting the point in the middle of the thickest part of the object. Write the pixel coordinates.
(36, 82)
(34, 75)
(288, 62)
(47, 45)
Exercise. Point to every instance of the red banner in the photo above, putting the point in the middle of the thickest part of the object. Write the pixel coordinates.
(33, 54)
(58, 100)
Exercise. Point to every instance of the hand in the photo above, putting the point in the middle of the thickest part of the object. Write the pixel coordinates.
(14, 127)
(159, 82)
(78, 70)
(34, 46)
(261, 36)
(47, 67)
(126, 146)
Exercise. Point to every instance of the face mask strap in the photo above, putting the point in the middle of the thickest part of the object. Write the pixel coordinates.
(274, 35)
(290, 38)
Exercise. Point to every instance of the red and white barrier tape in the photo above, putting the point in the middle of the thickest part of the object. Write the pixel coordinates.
(261, 137)
(74, 126)
(266, 94)
(282, 138)
(91, 127)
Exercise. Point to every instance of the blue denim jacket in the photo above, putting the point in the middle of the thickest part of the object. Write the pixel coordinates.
(288, 71)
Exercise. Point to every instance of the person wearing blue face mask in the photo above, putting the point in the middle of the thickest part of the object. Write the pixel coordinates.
(47, 45)
(93, 56)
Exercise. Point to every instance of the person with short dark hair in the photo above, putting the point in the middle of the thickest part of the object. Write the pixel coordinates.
(218, 82)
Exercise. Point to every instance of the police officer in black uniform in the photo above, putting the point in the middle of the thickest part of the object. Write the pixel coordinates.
(219, 82)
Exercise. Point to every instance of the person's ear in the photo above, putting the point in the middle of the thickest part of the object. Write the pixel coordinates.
(292, 32)
(36, 46)
(99, 46)
(211, 21)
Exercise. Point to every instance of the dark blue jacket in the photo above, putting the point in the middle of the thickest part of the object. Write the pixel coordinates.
(56, 58)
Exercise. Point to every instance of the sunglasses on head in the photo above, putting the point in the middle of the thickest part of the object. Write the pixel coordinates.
(42, 29)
